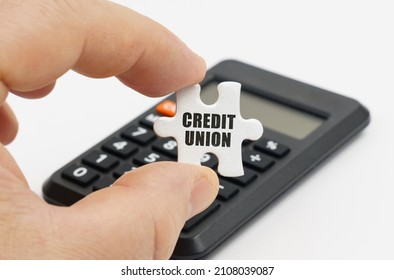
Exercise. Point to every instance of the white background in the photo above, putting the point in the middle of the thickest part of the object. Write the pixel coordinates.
(344, 209)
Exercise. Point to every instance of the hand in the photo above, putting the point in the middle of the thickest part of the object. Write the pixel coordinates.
(141, 215)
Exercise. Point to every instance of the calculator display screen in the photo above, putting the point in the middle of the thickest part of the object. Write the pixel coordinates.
(271, 114)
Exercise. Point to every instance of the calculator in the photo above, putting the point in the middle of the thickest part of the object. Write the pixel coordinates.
(303, 125)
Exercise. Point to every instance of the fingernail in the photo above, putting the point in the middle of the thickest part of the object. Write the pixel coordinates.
(204, 191)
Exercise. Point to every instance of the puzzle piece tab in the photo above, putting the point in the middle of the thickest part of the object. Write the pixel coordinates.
(218, 128)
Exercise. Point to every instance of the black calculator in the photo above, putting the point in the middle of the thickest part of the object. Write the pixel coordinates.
(303, 125)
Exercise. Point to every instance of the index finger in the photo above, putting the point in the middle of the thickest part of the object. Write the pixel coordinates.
(43, 39)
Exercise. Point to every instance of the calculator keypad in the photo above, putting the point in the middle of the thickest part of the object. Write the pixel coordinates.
(137, 145)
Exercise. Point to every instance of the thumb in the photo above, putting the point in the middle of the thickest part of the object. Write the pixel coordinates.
(142, 213)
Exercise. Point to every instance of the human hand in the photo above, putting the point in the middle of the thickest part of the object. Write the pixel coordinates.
(142, 213)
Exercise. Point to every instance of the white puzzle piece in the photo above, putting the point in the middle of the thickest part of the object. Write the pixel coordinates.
(218, 128)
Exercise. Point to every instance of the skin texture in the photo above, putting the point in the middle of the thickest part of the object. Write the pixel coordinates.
(141, 214)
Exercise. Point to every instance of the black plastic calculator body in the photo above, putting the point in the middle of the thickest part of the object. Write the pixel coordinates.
(303, 125)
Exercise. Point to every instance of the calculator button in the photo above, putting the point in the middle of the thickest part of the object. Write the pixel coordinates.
(194, 221)
(272, 147)
(146, 157)
(119, 147)
(139, 134)
(80, 174)
(149, 119)
(256, 160)
(245, 179)
(100, 161)
(102, 183)
(167, 108)
(227, 190)
(209, 160)
(167, 146)
(122, 169)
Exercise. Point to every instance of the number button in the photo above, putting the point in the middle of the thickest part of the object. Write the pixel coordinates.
(146, 157)
(167, 146)
(152, 157)
(257, 160)
(139, 134)
(209, 160)
(100, 161)
(80, 174)
(120, 148)
(170, 145)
